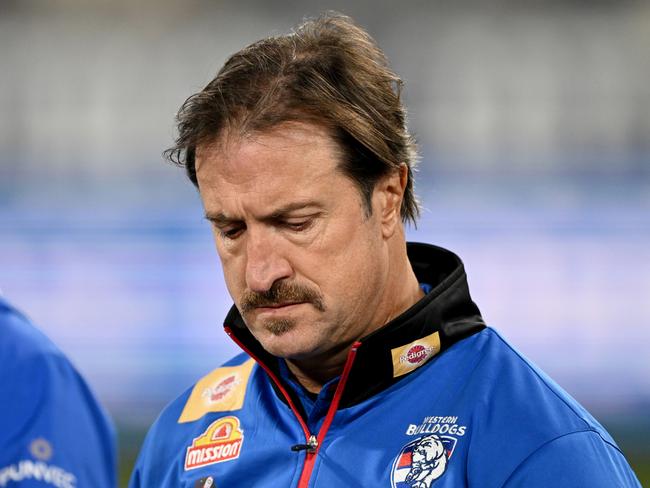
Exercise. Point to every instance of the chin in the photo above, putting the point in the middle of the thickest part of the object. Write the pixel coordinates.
(287, 346)
(286, 337)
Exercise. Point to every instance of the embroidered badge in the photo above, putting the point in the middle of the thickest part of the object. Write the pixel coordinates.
(222, 390)
(422, 461)
(413, 355)
(425, 459)
(220, 442)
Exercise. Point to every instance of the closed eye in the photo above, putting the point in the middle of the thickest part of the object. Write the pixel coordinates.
(230, 232)
(298, 226)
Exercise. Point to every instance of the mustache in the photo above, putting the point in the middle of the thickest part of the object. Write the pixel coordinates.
(281, 293)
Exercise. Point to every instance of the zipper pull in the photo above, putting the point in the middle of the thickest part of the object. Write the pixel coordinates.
(311, 446)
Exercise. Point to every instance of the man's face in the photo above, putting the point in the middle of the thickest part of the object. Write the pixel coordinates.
(304, 263)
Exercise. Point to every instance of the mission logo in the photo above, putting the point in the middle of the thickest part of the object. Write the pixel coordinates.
(221, 442)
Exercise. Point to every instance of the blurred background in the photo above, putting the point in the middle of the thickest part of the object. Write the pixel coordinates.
(533, 120)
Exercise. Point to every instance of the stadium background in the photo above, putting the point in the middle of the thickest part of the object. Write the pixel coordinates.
(534, 125)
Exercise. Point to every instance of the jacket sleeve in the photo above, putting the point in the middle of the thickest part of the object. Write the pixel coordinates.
(53, 432)
(155, 465)
(139, 477)
(577, 459)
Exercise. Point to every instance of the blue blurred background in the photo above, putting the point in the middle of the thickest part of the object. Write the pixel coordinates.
(534, 128)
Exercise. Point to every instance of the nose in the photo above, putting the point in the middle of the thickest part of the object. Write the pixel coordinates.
(265, 262)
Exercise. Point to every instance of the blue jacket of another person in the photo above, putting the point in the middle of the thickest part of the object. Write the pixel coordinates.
(53, 432)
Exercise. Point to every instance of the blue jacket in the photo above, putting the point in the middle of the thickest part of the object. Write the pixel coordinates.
(53, 433)
(434, 398)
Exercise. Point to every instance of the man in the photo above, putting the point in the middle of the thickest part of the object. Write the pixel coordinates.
(53, 433)
(365, 361)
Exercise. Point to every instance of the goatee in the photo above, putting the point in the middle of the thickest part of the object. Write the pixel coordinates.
(278, 327)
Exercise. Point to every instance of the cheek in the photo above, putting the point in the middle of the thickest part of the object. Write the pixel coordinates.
(233, 273)
(349, 272)
(349, 240)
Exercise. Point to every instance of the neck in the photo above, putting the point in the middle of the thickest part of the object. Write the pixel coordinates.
(312, 375)
(400, 292)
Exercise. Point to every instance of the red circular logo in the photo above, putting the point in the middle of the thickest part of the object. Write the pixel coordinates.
(224, 387)
(416, 354)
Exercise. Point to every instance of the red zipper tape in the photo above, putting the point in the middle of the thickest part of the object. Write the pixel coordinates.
(310, 457)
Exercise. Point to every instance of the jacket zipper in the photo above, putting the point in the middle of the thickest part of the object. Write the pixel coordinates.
(310, 456)
(313, 442)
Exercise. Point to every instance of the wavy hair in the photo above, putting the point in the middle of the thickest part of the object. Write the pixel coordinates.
(327, 71)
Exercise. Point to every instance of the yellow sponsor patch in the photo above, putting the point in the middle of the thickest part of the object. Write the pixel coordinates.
(221, 442)
(222, 390)
(413, 355)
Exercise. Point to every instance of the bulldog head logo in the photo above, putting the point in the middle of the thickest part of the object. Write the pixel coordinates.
(429, 461)
(422, 461)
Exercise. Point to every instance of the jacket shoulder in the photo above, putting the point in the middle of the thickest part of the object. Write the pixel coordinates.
(222, 390)
(21, 340)
(594, 463)
(518, 409)
(513, 382)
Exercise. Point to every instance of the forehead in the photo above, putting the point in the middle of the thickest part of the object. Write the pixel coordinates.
(289, 150)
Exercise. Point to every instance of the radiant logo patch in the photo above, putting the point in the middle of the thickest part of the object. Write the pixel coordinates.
(221, 441)
(413, 355)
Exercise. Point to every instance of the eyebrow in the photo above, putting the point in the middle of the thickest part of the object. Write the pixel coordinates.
(220, 218)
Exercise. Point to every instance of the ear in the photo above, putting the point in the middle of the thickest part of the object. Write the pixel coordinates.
(387, 199)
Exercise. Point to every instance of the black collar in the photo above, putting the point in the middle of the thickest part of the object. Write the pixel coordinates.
(447, 309)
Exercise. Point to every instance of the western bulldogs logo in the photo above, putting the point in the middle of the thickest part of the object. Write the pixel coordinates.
(422, 461)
